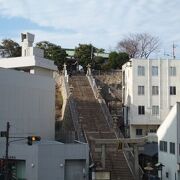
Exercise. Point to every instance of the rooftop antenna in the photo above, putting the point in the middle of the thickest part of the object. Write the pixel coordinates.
(165, 53)
(174, 57)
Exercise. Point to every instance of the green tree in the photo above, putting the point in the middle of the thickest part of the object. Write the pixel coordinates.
(98, 62)
(9, 48)
(85, 54)
(53, 52)
(116, 60)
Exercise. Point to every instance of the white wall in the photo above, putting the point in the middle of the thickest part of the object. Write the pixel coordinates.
(28, 103)
(168, 132)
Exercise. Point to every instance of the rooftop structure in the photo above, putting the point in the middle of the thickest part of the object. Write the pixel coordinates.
(32, 59)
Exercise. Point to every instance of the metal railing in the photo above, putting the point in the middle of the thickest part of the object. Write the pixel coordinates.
(129, 156)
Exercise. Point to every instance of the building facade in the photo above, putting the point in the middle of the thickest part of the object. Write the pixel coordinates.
(27, 102)
(169, 145)
(150, 89)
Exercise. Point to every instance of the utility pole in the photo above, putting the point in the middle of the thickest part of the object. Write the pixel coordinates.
(174, 57)
(7, 151)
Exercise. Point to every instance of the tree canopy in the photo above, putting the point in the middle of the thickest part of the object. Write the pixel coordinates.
(85, 55)
(116, 60)
(53, 52)
(9, 48)
(139, 45)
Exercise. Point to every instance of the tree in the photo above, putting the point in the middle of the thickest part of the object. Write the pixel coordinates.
(139, 45)
(9, 48)
(98, 62)
(116, 60)
(85, 54)
(53, 52)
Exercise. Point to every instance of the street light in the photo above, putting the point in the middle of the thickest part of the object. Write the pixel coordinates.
(159, 167)
(6, 135)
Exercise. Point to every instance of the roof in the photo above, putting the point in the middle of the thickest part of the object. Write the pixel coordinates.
(27, 61)
(71, 52)
(150, 149)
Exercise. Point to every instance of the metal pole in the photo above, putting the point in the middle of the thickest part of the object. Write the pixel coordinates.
(136, 161)
(7, 151)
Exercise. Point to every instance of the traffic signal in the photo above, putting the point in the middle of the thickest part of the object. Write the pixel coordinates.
(31, 139)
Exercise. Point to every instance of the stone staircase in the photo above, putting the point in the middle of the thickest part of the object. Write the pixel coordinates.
(94, 125)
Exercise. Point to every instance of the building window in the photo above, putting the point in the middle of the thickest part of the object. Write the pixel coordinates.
(155, 110)
(172, 71)
(172, 90)
(152, 130)
(140, 90)
(141, 70)
(154, 70)
(155, 90)
(141, 110)
(163, 146)
(139, 132)
(172, 148)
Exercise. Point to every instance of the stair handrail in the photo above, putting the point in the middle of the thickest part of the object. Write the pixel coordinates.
(69, 99)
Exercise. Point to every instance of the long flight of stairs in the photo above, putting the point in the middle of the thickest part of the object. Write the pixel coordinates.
(95, 126)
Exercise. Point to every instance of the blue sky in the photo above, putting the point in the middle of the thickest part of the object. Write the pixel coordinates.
(100, 22)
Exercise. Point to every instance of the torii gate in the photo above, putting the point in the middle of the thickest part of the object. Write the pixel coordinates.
(121, 141)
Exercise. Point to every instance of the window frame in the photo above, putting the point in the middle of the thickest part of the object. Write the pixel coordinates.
(172, 71)
(155, 71)
(171, 147)
(163, 146)
(139, 132)
(141, 71)
(141, 110)
(155, 90)
(155, 110)
(141, 90)
(172, 90)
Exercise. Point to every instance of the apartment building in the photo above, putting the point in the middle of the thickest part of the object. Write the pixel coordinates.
(150, 89)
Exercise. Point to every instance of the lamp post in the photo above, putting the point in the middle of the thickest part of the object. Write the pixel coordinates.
(159, 167)
(148, 168)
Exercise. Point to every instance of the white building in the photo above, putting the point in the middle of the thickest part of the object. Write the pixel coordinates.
(169, 144)
(27, 101)
(150, 89)
(32, 59)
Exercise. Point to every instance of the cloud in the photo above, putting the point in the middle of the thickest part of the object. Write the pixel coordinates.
(103, 22)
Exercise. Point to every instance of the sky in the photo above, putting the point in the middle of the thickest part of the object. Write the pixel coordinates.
(102, 23)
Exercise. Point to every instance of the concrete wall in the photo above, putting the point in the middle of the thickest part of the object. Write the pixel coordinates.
(28, 103)
(42, 72)
(52, 159)
(168, 132)
(47, 160)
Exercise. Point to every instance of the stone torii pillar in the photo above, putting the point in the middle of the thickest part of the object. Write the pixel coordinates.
(135, 142)
(65, 72)
(89, 73)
